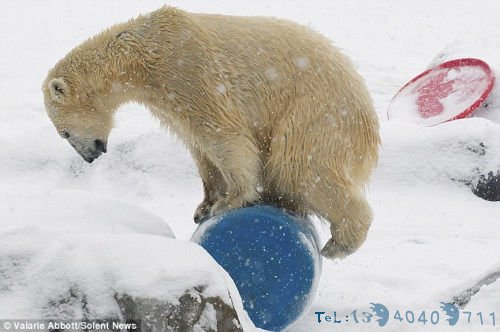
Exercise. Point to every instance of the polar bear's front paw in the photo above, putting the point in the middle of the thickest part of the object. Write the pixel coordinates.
(224, 205)
(227, 204)
(334, 250)
(203, 211)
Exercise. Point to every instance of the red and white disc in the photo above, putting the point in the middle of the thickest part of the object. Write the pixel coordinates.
(449, 91)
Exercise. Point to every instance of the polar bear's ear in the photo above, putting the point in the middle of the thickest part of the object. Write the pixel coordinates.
(58, 89)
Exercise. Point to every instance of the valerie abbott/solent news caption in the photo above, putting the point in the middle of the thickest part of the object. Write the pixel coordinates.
(48, 325)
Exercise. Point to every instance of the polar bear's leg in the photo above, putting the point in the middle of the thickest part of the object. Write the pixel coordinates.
(214, 185)
(348, 212)
(237, 159)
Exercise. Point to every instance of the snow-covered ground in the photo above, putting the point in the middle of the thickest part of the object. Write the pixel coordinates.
(62, 248)
(431, 238)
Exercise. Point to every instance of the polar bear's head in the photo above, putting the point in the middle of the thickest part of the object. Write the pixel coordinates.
(78, 112)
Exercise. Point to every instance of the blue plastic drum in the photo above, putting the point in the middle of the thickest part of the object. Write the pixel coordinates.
(273, 257)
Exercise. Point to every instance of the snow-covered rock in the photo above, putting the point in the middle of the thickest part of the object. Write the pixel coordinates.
(70, 255)
(460, 150)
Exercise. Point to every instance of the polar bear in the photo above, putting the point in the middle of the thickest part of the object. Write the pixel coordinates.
(271, 112)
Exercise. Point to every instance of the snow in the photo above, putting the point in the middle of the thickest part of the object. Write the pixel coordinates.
(99, 247)
(302, 62)
(271, 73)
(76, 212)
(431, 238)
(221, 89)
(208, 319)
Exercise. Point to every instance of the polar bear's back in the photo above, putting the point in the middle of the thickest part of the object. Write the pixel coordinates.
(272, 60)
(278, 67)
(276, 49)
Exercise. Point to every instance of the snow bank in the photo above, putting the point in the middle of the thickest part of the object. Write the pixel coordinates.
(459, 150)
(70, 244)
(77, 212)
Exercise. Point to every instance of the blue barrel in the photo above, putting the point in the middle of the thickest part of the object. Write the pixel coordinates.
(273, 257)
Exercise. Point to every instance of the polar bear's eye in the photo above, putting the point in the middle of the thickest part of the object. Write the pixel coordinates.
(58, 89)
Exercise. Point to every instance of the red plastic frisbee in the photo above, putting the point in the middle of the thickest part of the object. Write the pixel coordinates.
(449, 91)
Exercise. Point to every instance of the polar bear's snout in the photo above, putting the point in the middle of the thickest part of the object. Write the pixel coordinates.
(100, 146)
(88, 149)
